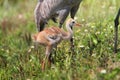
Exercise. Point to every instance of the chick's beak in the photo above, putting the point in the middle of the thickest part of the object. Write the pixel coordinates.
(77, 25)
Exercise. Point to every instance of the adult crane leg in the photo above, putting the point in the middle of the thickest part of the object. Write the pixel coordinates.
(74, 10)
(72, 14)
(62, 16)
(116, 21)
(40, 25)
(38, 18)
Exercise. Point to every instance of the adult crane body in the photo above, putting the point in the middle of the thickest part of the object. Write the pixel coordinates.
(49, 9)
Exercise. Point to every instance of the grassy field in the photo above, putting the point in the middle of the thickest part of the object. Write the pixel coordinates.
(93, 59)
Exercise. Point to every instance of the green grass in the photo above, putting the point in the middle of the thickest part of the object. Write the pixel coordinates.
(93, 41)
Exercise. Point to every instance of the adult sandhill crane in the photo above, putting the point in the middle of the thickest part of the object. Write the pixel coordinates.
(49, 9)
(50, 37)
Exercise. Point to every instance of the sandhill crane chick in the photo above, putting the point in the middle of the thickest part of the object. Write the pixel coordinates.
(50, 37)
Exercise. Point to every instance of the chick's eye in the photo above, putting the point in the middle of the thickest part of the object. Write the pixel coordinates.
(73, 22)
